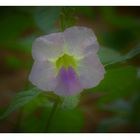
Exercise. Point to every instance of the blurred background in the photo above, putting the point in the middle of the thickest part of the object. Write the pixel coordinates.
(113, 106)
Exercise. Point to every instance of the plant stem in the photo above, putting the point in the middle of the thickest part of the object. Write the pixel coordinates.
(67, 17)
(18, 123)
(55, 105)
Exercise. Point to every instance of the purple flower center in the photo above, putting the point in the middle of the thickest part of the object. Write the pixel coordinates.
(68, 79)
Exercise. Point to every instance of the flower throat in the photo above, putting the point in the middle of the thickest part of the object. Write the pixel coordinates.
(66, 61)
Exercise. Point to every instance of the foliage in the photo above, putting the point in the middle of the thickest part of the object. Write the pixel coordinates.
(20, 100)
(119, 90)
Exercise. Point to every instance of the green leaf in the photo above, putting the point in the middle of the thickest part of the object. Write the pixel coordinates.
(87, 11)
(70, 102)
(62, 121)
(13, 62)
(112, 17)
(35, 114)
(41, 101)
(135, 51)
(118, 83)
(36, 120)
(110, 57)
(67, 17)
(13, 24)
(46, 17)
(20, 100)
(118, 39)
(67, 121)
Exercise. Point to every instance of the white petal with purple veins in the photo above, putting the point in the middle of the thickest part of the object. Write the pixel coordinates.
(43, 75)
(48, 47)
(77, 39)
(90, 71)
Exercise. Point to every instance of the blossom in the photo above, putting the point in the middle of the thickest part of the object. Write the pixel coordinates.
(66, 62)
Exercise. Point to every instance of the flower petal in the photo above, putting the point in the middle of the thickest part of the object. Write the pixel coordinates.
(77, 39)
(90, 71)
(48, 47)
(43, 75)
(68, 84)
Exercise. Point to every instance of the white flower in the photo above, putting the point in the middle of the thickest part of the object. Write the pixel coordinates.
(66, 62)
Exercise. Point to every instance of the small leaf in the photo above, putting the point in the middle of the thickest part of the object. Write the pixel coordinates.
(41, 101)
(13, 24)
(118, 83)
(67, 17)
(110, 57)
(110, 15)
(133, 52)
(67, 121)
(70, 102)
(20, 100)
(46, 17)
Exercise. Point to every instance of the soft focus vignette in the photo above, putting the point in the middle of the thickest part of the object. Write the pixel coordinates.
(71, 92)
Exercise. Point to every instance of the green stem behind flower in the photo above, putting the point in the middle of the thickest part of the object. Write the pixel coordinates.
(67, 17)
(55, 105)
